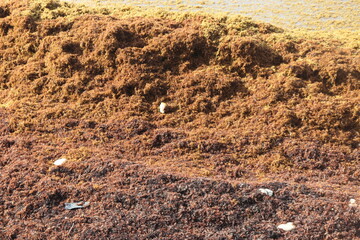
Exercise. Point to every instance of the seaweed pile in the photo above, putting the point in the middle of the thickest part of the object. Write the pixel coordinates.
(247, 102)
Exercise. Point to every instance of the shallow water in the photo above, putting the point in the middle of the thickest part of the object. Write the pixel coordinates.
(308, 14)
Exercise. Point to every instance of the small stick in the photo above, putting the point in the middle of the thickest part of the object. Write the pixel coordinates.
(71, 228)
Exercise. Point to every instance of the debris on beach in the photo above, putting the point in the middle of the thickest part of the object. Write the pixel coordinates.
(352, 203)
(266, 191)
(287, 227)
(76, 205)
(60, 161)
(163, 107)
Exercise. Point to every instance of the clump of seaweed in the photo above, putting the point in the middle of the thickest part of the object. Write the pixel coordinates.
(260, 84)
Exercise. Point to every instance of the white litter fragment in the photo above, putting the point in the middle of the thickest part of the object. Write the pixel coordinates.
(60, 161)
(287, 227)
(266, 191)
(162, 107)
(75, 205)
(352, 203)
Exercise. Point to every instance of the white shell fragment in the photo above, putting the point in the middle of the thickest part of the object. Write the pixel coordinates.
(162, 107)
(75, 205)
(352, 203)
(266, 191)
(287, 227)
(60, 161)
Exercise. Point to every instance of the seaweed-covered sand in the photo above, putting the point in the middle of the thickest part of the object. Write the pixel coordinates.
(327, 15)
(249, 106)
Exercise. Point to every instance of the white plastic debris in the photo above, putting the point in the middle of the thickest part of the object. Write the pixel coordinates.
(162, 107)
(287, 227)
(352, 203)
(60, 161)
(266, 191)
(75, 205)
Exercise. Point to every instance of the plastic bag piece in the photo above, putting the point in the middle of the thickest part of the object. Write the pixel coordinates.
(266, 191)
(76, 205)
(287, 227)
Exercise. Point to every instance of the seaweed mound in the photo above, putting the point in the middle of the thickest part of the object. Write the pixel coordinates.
(245, 101)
